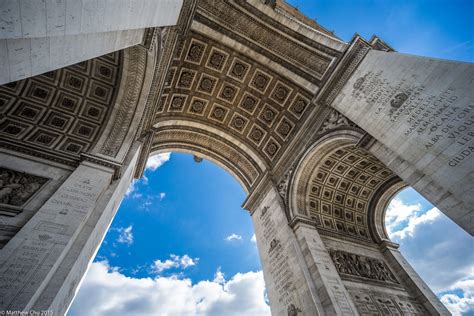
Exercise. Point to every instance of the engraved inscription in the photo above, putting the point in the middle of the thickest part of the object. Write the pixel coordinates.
(435, 119)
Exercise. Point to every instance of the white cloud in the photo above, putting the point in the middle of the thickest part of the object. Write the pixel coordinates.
(253, 239)
(131, 188)
(219, 276)
(108, 292)
(233, 237)
(156, 161)
(181, 262)
(399, 213)
(460, 305)
(125, 235)
(414, 220)
(434, 245)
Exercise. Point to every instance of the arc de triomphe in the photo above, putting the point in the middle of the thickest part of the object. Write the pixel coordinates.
(319, 132)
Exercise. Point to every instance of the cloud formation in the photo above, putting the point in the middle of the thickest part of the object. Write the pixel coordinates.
(438, 250)
(233, 237)
(153, 163)
(178, 262)
(464, 304)
(156, 161)
(105, 291)
(125, 235)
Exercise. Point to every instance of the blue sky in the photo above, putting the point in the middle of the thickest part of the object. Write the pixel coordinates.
(182, 245)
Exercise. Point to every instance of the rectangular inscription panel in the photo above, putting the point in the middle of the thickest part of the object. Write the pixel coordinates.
(33, 253)
(288, 290)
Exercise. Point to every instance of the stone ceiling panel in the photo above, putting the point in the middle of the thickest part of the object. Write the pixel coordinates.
(60, 112)
(341, 188)
(213, 84)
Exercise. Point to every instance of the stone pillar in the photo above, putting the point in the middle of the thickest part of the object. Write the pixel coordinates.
(42, 265)
(421, 112)
(40, 36)
(331, 291)
(287, 279)
(408, 275)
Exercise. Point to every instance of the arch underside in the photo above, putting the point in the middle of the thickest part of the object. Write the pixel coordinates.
(344, 190)
(211, 84)
(60, 114)
(221, 149)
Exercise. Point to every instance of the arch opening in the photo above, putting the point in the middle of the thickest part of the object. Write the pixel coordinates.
(338, 187)
(434, 245)
(203, 247)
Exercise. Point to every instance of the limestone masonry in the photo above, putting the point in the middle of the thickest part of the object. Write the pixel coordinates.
(320, 133)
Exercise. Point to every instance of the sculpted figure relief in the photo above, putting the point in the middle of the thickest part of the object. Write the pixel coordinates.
(17, 187)
(366, 267)
(334, 120)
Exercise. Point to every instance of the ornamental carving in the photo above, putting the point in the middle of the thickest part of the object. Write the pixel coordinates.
(334, 120)
(235, 94)
(16, 188)
(283, 185)
(59, 115)
(293, 310)
(355, 265)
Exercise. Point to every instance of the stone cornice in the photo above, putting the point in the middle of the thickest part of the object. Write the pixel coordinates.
(167, 40)
(102, 161)
(347, 65)
(258, 193)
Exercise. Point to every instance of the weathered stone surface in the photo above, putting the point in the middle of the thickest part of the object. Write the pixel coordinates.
(320, 133)
(287, 279)
(421, 111)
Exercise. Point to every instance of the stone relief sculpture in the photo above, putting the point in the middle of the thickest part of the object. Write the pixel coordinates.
(16, 188)
(334, 120)
(293, 310)
(361, 266)
(283, 185)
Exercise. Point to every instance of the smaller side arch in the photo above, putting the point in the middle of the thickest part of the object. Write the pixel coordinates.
(378, 208)
(342, 189)
(310, 160)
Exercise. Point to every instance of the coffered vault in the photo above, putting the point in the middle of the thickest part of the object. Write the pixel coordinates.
(304, 121)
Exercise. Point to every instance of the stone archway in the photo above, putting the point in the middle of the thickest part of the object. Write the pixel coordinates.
(274, 98)
(337, 199)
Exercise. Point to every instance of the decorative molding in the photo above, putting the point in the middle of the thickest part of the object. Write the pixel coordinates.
(126, 110)
(378, 44)
(60, 114)
(167, 40)
(346, 67)
(196, 140)
(366, 141)
(350, 264)
(226, 17)
(150, 38)
(335, 120)
(282, 186)
(147, 142)
(16, 189)
(369, 302)
(117, 167)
